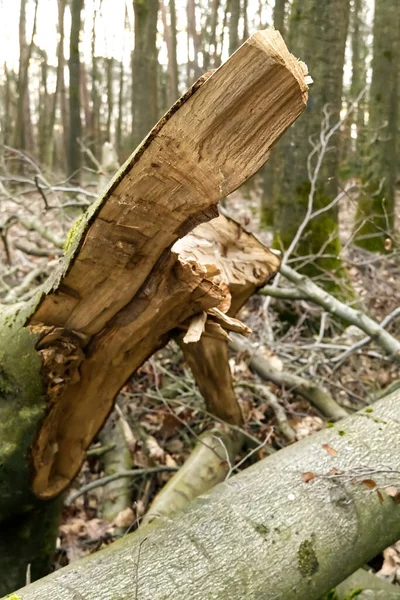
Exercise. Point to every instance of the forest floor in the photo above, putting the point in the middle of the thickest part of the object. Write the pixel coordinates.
(161, 405)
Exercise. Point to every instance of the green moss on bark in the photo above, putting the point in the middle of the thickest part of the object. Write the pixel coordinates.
(307, 559)
(22, 405)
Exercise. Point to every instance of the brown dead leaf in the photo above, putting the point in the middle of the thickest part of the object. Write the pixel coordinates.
(369, 483)
(125, 518)
(331, 451)
(308, 476)
(394, 493)
(388, 244)
(306, 426)
(170, 425)
(169, 461)
(334, 471)
(380, 497)
(391, 562)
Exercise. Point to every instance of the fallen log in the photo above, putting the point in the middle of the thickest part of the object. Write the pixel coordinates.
(292, 526)
(120, 292)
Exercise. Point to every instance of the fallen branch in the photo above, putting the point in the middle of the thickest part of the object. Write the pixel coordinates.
(366, 340)
(306, 288)
(317, 395)
(102, 481)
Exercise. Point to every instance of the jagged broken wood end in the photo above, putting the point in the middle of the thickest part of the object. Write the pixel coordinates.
(120, 292)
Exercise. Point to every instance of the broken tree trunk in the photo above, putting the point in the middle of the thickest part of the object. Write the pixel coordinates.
(290, 527)
(240, 264)
(120, 292)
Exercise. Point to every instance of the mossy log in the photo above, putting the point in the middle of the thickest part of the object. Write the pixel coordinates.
(290, 527)
(120, 292)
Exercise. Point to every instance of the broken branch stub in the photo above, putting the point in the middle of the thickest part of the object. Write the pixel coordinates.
(120, 291)
(240, 263)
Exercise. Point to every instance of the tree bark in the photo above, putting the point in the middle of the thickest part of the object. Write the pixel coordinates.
(279, 15)
(75, 125)
(49, 151)
(307, 512)
(377, 201)
(234, 9)
(23, 124)
(144, 69)
(68, 352)
(171, 41)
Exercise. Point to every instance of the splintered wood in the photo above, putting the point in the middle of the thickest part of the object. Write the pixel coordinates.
(239, 263)
(120, 292)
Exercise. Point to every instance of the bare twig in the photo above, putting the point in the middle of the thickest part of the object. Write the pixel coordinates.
(305, 286)
(104, 480)
(317, 395)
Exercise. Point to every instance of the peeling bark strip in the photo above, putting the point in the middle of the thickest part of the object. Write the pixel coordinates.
(266, 533)
(120, 292)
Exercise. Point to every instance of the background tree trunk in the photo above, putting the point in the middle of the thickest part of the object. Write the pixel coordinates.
(279, 15)
(49, 152)
(75, 126)
(144, 69)
(376, 204)
(171, 41)
(234, 9)
(23, 131)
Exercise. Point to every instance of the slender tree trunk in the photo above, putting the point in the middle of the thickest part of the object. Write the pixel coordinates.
(245, 34)
(49, 152)
(75, 128)
(95, 136)
(353, 130)
(234, 7)
(22, 133)
(174, 59)
(268, 170)
(43, 109)
(110, 96)
(194, 70)
(85, 100)
(376, 204)
(8, 118)
(118, 132)
(63, 159)
(210, 56)
(279, 15)
(221, 42)
(144, 69)
(171, 41)
(359, 69)
(118, 128)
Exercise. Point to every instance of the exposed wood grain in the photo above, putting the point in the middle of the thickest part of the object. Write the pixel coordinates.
(218, 138)
(120, 292)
